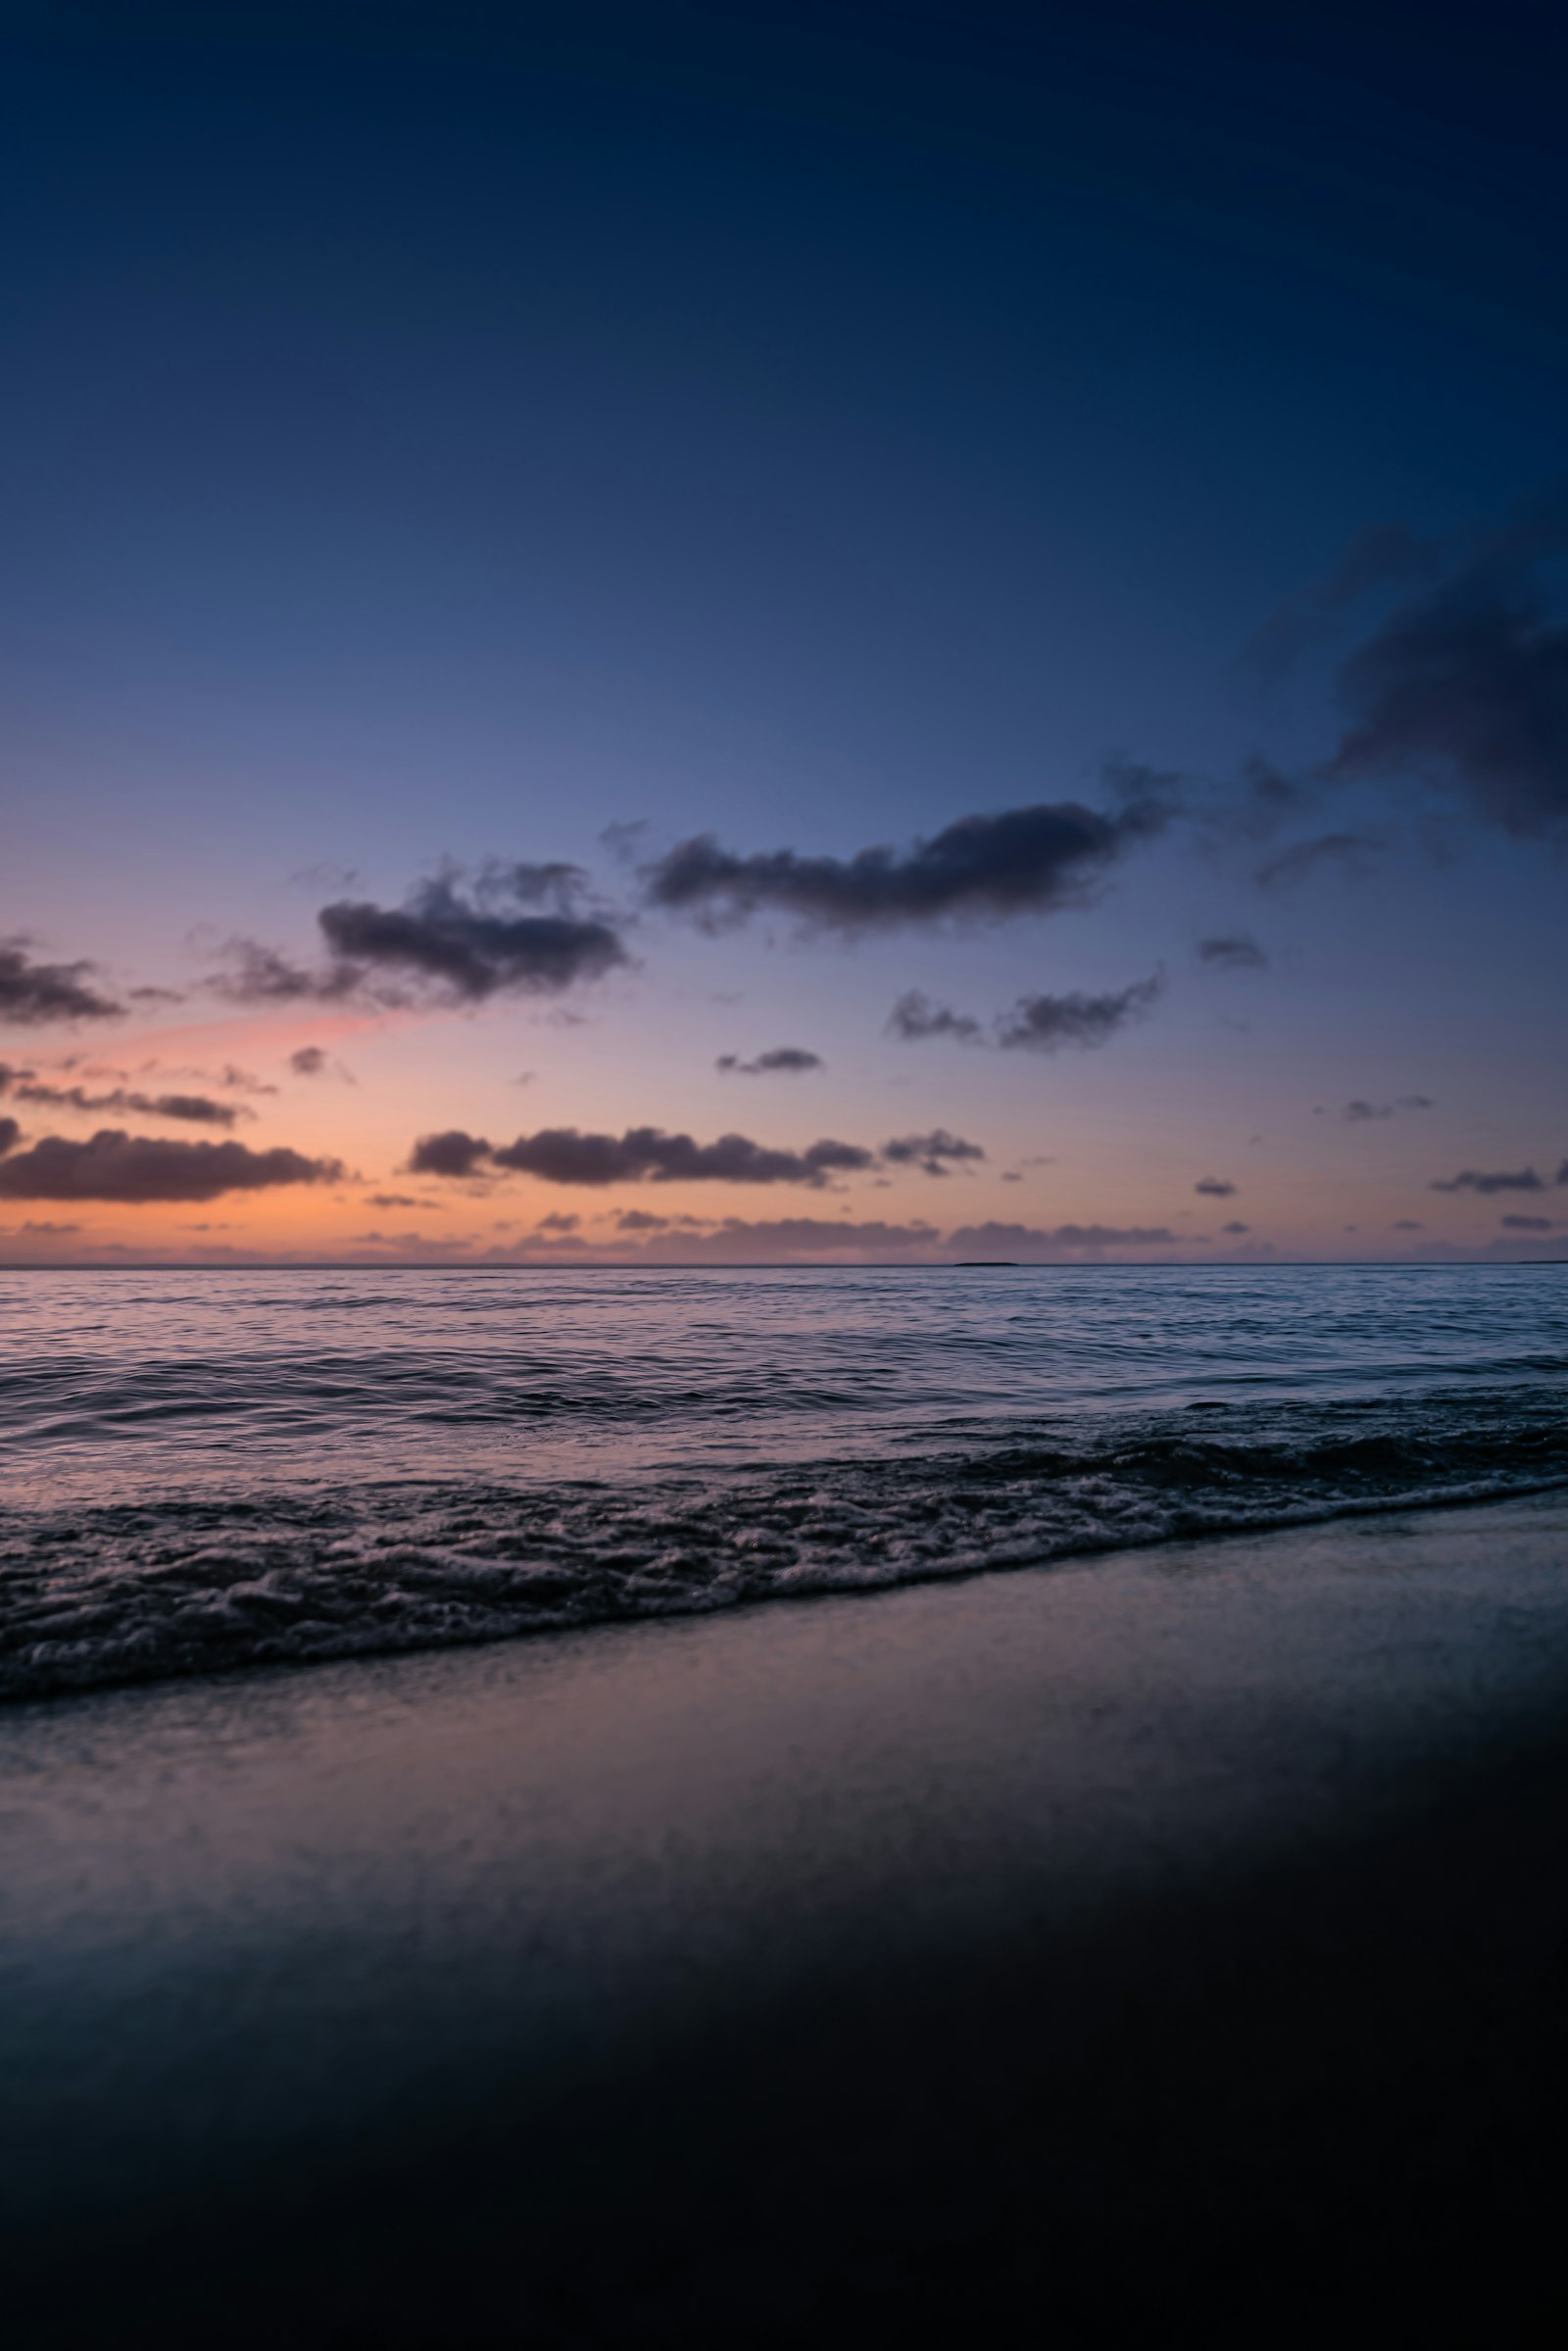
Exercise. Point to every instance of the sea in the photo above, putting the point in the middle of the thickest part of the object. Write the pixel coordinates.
(202, 1471)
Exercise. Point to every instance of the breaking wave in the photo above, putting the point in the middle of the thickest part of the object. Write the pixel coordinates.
(205, 1581)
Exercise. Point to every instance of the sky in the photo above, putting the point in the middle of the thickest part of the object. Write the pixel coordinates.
(787, 633)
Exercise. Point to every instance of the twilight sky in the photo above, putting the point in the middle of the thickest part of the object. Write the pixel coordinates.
(782, 631)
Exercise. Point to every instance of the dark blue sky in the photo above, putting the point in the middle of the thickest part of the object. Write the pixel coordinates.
(436, 434)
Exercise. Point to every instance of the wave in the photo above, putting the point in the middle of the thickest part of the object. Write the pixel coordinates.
(202, 1584)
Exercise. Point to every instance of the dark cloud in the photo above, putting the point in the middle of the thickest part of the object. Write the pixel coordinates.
(807, 1236)
(263, 976)
(784, 1060)
(740, 1241)
(10, 1135)
(558, 1224)
(565, 1156)
(1475, 1179)
(932, 1152)
(1358, 1113)
(1408, 1224)
(1382, 555)
(1029, 861)
(450, 1154)
(737, 1240)
(1232, 951)
(193, 1109)
(1562, 1173)
(442, 1245)
(1044, 1024)
(1214, 1188)
(33, 993)
(1041, 1024)
(1350, 852)
(1238, 1228)
(197, 1109)
(915, 1017)
(521, 930)
(1527, 1224)
(1064, 1240)
(314, 1061)
(401, 1199)
(1465, 680)
(471, 949)
(115, 1166)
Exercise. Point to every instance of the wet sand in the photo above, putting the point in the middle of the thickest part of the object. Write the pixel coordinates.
(1173, 1942)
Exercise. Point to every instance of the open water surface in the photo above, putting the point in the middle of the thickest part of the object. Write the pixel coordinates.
(205, 1470)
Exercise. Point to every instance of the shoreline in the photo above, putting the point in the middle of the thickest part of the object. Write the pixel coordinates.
(1126, 1938)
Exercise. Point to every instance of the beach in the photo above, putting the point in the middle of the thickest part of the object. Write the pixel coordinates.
(1048, 1954)
(783, 1179)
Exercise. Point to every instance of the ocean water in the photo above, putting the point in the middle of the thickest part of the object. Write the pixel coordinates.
(208, 1470)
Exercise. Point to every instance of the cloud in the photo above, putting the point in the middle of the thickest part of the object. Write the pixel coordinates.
(1044, 1024)
(32, 993)
(565, 1156)
(1029, 861)
(1040, 1024)
(1065, 1241)
(445, 1244)
(915, 1017)
(115, 1166)
(1527, 1224)
(314, 1061)
(1358, 1113)
(558, 1224)
(448, 1154)
(1408, 1224)
(1475, 1179)
(402, 1200)
(784, 1060)
(739, 1241)
(1465, 680)
(10, 1135)
(1379, 555)
(930, 1152)
(1214, 1188)
(520, 930)
(263, 975)
(1238, 1228)
(808, 1236)
(1352, 852)
(1232, 951)
(194, 1109)
(639, 1220)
